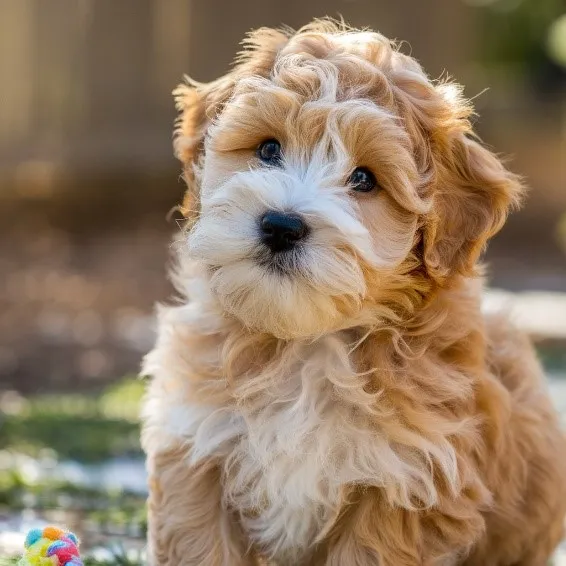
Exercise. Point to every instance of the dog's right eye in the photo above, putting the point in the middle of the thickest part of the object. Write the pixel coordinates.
(269, 152)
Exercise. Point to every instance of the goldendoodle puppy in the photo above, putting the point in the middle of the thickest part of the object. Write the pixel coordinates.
(328, 391)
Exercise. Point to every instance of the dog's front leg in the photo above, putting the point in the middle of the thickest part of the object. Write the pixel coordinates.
(351, 552)
(374, 533)
(187, 524)
(348, 551)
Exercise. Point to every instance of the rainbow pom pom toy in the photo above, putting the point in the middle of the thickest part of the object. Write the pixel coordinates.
(51, 547)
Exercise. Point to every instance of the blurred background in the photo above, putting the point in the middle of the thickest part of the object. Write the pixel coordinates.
(87, 179)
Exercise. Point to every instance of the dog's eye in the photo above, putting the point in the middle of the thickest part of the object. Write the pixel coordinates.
(362, 180)
(269, 152)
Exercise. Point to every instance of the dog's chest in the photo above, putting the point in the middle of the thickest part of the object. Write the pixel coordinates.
(284, 477)
(289, 452)
(286, 461)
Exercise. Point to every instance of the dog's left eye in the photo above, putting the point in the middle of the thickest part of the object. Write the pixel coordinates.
(269, 152)
(362, 180)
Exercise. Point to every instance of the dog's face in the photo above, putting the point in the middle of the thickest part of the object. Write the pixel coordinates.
(335, 185)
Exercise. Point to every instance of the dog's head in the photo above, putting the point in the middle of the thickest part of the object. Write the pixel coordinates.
(332, 183)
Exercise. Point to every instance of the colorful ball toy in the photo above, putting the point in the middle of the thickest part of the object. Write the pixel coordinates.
(51, 547)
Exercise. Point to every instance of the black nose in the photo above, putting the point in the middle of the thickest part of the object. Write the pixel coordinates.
(280, 231)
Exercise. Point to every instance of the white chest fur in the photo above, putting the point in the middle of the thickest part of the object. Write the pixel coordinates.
(287, 457)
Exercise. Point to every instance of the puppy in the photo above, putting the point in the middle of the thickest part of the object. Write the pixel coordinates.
(328, 391)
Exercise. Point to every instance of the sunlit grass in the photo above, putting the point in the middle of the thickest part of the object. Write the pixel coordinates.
(76, 427)
(37, 433)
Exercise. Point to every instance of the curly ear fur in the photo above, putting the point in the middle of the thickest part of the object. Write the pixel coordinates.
(473, 195)
(199, 104)
(472, 191)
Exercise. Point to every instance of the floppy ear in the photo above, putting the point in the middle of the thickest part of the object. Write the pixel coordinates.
(473, 194)
(471, 191)
(199, 104)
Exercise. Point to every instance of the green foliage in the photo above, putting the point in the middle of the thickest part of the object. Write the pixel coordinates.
(88, 429)
(514, 33)
(77, 427)
(116, 507)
